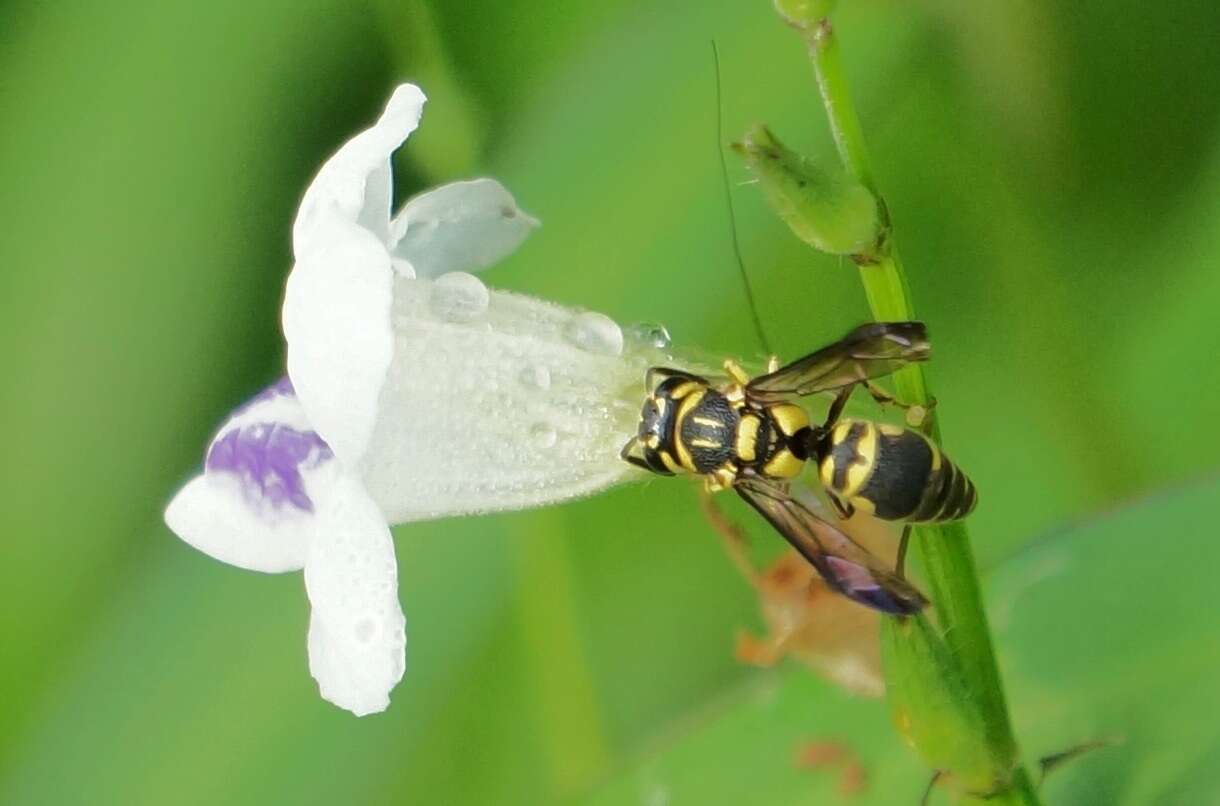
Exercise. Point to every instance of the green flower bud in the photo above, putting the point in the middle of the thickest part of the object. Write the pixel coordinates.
(830, 212)
(931, 706)
(804, 14)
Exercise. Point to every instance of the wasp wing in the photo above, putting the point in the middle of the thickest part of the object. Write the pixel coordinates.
(845, 565)
(870, 351)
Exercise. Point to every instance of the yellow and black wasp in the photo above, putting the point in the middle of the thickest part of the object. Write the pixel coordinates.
(749, 435)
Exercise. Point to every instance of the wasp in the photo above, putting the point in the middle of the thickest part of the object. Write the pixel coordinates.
(749, 435)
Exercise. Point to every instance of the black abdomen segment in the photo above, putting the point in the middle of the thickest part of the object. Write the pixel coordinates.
(899, 481)
(949, 495)
(894, 473)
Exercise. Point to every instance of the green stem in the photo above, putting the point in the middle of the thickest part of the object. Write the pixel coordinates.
(836, 98)
(948, 559)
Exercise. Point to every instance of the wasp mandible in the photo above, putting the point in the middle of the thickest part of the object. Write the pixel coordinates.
(747, 434)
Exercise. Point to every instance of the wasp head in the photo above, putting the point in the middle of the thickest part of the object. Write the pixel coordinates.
(655, 431)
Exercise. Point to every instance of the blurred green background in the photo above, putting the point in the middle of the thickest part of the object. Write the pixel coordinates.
(1054, 174)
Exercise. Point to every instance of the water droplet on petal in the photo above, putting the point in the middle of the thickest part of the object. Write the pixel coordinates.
(543, 435)
(596, 333)
(647, 334)
(536, 376)
(459, 297)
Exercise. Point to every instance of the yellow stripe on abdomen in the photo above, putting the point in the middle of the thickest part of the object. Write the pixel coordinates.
(864, 456)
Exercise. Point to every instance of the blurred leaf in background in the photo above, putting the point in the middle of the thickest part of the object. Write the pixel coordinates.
(1054, 172)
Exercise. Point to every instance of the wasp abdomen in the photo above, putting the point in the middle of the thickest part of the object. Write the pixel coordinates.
(893, 473)
(949, 495)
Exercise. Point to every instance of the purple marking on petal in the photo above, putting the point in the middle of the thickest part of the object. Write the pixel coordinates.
(281, 388)
(268, 457)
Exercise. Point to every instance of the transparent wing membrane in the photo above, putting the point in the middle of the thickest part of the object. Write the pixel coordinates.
(845, 565)
(870, 351)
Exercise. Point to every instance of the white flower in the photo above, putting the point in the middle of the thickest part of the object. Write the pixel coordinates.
(413, 392)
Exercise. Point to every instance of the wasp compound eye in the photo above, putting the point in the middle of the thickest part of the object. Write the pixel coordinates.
(650, 418)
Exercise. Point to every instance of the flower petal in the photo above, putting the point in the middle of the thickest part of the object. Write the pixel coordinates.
(357, 641)
(355, 182)
(499, 401)
(462, 226)
(337, 304)
(336, 320)
(251, 507)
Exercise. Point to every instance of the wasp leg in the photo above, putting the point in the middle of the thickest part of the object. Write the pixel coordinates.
(735, 371)
(773, 364)
(903, 542)
(836, 407)
(915, 414)
(719, 479)
(841, 508)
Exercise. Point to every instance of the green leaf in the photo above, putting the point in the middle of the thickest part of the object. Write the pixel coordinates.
(1106, 631)
(746, 748)
(931, 703)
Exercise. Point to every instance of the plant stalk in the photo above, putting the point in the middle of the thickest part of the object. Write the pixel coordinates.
(948, 559)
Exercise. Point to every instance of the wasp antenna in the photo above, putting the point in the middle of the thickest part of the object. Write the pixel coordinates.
(728, 197)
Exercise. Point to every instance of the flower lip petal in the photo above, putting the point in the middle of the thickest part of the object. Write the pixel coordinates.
(250, 505)
(355, 182)
(267, 443)
(356, 630)
(462, 226)
(212, 514)
(269, 457)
